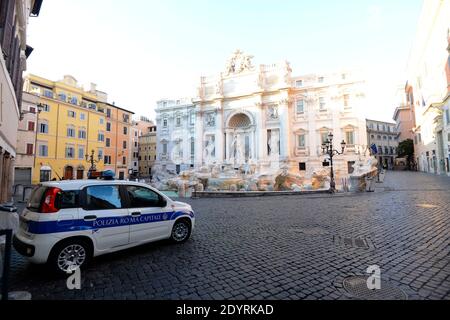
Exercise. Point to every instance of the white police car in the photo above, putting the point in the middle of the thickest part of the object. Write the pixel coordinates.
(67, 223)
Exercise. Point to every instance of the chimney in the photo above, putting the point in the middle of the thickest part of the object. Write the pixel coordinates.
(93, 87)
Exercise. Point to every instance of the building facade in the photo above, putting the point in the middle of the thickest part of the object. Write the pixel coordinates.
(147, 152)
(118, 141)
(14, 16)
(404, 116)
(384, 136)
(26, 140)
(263, 117)
(427, 85)
(72, 125)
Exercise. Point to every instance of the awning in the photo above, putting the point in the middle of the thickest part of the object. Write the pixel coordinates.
(46, 168)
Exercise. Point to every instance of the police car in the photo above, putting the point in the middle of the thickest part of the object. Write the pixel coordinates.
(67, 223)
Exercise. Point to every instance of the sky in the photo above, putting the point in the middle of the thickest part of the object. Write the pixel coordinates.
(141, 51)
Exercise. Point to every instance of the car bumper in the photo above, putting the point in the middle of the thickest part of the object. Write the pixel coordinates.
(23, 248)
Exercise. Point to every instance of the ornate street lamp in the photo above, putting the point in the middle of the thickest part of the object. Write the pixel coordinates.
(91, 159)
(327, 148)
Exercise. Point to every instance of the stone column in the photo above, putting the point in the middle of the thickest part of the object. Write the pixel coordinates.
(219, 135)
(199, 138)
(285, 135)
(261, 133)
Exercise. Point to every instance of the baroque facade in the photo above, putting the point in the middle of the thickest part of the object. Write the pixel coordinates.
(263, 118)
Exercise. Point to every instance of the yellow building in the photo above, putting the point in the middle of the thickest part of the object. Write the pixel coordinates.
(71, 124)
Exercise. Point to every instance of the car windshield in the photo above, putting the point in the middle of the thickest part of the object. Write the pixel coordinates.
(36, 198)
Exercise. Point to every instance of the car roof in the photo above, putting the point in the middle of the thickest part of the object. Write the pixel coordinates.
(78, 184)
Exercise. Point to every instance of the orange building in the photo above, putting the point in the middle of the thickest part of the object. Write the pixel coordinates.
(118, 140)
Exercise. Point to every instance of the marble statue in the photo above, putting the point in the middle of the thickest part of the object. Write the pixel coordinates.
(272, 112)
(210, 149)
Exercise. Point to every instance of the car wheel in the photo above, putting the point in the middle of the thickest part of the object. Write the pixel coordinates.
(70, 255)
(181, 231)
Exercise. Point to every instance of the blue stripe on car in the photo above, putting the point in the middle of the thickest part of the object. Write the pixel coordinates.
(45, 227)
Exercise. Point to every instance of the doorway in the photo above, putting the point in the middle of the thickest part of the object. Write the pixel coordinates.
(68, 173)
(80, 174)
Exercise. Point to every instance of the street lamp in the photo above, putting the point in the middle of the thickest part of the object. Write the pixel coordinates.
(91, 159)
(327, 148)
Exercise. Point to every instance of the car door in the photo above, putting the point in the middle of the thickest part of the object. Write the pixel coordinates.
(149, 214)
(105, 214)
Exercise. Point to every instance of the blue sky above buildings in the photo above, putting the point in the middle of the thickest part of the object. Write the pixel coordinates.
(140, 51)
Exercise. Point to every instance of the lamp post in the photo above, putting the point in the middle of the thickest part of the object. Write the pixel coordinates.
(91, 159)
(327, 148)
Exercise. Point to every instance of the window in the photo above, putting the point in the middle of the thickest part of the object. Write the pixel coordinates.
(82, 116)
(135, 144)
(43, 150)
(108, 126)
(301, 141)
(74, 100)
(346, 98)
(43, 128)
(103, 198)
(192, 118)
(447, 116)
(80, 152)
(192, 147)
(124, 160)
(380, 150)
(302, 166)
(124, 144)
(82, 134)
(141, 197)
(125, 117)
(164, 145)
(108, 142)
(100, 153)
(372, 136)
(32, 109)
(45, 107)
(92, 106)
(386, 150)
(108, 113)
(299, 83)
(71, 132)
(125, 130)
(322, 103)
(62, 97)
(350, 137)
(384, 138)
(30, 126)
(107, 160)
(30, 149)
(45, 175)
(101, 121)
(300, 106)
(323, 137)
(70, 152)
(165, 123)
(48, 93)
(101, 137)
(69, 199)
(178, 122)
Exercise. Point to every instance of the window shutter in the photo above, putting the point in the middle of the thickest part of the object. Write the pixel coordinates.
(6, 26)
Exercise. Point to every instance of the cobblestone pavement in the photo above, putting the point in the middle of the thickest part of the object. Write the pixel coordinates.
(281, 248)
